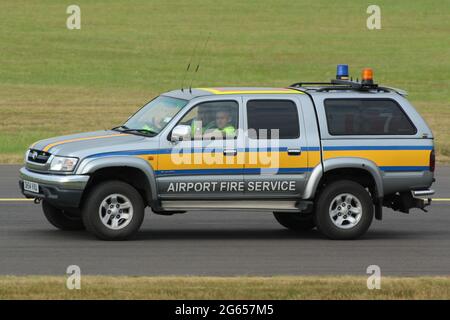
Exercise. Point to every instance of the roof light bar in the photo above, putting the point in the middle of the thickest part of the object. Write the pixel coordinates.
(367, 76)
(342, 82)
(342, 72)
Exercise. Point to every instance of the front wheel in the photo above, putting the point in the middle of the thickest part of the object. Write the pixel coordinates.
(62, 219)
(344, 210)
(114, 210)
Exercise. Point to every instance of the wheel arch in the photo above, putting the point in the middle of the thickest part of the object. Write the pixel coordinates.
(135, 171)
(344, 166)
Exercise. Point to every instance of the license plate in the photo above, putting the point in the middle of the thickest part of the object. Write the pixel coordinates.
(30, 186)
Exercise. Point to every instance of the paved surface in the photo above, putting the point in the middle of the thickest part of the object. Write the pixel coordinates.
(224, 243)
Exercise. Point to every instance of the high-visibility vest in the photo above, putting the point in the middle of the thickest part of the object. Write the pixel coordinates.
(147, 127)
(228, 130)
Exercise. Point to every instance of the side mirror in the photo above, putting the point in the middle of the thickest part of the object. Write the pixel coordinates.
(181, 132)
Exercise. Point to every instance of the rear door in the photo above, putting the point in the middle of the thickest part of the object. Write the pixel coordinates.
(276, 164)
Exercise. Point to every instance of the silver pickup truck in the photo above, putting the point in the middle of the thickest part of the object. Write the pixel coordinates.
(318, 155)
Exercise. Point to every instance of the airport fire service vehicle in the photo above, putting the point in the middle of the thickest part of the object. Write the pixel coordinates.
(326, 155)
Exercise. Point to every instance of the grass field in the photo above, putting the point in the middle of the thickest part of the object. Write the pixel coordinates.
(55, 81)
(103, 287)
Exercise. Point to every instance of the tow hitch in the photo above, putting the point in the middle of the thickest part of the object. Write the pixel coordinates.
(403, 201)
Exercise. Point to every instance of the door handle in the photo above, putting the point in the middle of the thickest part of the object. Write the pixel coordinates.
(229, 152)
(294, 152)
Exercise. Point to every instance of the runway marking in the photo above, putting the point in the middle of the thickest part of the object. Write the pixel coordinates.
(16, 200)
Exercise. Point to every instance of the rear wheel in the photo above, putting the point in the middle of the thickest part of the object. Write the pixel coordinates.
(62, 219)
(295, 221)
(344, 210)
(114, 210)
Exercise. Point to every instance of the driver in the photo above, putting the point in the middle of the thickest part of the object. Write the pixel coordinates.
(223, 123)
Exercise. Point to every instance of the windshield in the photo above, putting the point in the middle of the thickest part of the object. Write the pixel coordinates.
(154, 116)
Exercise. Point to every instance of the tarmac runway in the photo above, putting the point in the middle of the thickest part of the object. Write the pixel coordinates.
(224, 243)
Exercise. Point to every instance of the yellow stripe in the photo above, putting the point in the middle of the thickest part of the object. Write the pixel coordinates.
(199, 160)
(275, 91)
(313, 158)
(386, 157)
(208, 160)
(308, 159)
(79, 139)
(275, 159)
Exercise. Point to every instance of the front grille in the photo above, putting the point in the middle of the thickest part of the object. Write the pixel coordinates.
(38, 156)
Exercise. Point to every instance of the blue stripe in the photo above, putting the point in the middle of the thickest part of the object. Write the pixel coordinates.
(271, 170)
(189, 150)
(198, 171)
(262, 149)
(233, 171)
(348, 148)
(310, 148)
(405, 168)
(280, 149)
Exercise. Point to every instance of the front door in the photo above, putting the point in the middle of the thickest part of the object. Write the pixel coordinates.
(209, 164)
(276, 163)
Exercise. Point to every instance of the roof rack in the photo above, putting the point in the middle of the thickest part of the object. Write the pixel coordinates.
(342, 82)
(338, 84)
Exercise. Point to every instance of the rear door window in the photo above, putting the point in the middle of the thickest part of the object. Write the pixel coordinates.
(367, 117)
(265, 117)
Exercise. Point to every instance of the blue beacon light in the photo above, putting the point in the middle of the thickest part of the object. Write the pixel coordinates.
(342, 72)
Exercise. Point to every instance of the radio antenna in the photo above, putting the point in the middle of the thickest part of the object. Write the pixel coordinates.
(199, 61)
(188, 66)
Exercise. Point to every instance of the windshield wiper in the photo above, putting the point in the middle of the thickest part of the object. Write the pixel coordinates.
(141, 131)
(120, 127)
(125, 129)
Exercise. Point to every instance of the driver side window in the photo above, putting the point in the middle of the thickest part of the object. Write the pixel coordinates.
(214, 120)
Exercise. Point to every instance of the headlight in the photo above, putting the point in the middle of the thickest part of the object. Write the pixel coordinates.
(63, 164)
(26, 156)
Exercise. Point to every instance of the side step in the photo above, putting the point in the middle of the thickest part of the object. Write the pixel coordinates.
(279, 205)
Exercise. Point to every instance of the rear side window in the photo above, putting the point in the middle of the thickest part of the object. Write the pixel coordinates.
(367, 117)
(267, 115)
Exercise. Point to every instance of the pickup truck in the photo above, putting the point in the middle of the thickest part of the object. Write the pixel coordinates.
(325, 155)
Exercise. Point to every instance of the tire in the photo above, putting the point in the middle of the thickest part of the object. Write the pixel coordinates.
(295, 221)
(333, 219)
(62, 219)
(109, 223)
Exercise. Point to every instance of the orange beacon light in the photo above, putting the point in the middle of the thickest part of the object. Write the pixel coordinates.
(367, 76)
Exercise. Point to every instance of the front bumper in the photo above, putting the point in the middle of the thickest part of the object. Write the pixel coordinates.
(60, 190)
